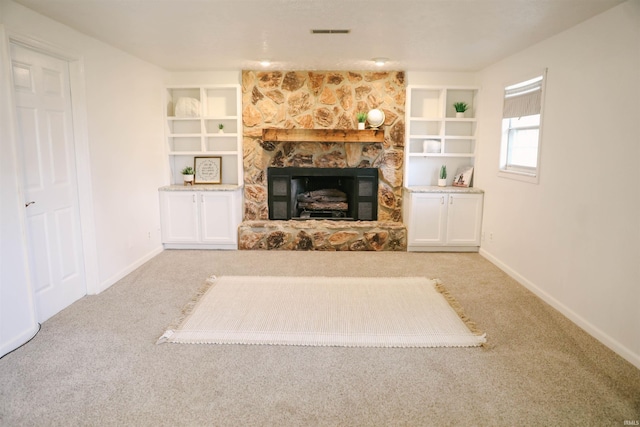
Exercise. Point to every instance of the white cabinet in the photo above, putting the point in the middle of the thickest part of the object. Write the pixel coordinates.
(435, 136)
(179, 217)
(200, 219)
(194, 116)
(438, 220)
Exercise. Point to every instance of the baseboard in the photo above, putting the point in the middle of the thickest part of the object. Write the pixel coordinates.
(122, 273)
(583, 323)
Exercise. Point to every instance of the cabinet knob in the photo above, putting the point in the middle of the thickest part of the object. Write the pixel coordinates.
(194, 198)
(442, 200)
(450, 200)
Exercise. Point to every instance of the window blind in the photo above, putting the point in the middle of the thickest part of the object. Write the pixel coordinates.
(523, 100)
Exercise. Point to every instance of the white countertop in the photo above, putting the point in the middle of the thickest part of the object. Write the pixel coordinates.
(201, 187)
(447, 189)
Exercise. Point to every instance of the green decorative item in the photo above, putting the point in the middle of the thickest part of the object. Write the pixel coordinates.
(460, 107)
(442, 181)
(187, 174)
(362, 118)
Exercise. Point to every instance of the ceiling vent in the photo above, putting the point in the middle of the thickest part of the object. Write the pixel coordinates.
(330, 31)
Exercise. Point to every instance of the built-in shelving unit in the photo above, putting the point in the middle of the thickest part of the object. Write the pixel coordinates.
(435, 136)
(194, 131)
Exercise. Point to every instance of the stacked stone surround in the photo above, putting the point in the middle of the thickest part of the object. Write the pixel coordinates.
(320, 100)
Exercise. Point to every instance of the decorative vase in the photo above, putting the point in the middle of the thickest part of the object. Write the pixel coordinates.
(375, 118)
(360, 126)
(188, 179)
(442, 182)
(459, 115)
(220, 130)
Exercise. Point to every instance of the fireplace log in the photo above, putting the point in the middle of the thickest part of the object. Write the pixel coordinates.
(325, 195)
(324, 206)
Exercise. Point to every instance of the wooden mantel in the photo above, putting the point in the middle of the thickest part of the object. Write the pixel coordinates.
(323, 135)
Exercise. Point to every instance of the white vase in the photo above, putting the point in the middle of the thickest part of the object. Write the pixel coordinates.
(188, 179)
(459, 115)
(442, 182)
(360, 126)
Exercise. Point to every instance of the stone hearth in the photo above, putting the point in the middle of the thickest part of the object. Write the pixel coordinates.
(324, 235)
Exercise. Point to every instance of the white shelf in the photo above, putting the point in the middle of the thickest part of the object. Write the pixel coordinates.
(431, 121)
(199, 136)
(468, 155)
(202, 153)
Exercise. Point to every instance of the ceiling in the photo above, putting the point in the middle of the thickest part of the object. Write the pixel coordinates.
(416, 35)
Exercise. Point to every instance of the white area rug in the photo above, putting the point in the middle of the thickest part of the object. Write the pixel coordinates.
(325, 311)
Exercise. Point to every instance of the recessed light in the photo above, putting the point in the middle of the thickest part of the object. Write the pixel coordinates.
(265, 62)
(380, 61)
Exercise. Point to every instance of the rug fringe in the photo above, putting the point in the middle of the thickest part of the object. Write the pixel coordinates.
(188, 309)
(457, 308)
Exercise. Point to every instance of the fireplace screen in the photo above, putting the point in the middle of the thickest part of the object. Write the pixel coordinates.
(323, 193)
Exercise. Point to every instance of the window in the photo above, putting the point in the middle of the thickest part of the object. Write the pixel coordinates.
(521, 129)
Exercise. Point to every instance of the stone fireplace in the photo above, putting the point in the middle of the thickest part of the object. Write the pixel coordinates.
(329, 100)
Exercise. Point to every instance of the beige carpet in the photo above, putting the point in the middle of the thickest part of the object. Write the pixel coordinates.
(325, 311)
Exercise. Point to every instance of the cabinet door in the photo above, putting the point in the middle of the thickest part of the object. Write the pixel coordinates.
(179, 216)
(428, 219)
(219, 216)
(464, 219)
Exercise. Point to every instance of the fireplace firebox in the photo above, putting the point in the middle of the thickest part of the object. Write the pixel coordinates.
(322, 193)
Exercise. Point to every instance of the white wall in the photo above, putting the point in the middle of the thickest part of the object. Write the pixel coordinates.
(205, 78)
(441, 78)
(574, 238)
(124, 129)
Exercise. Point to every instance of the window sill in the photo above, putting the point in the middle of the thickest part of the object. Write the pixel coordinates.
(519, 176)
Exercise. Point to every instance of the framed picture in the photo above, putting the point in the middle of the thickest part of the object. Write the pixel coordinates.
(208, 170)
(463, 177)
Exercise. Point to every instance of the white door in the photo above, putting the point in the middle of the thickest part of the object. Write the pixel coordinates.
(47, 151)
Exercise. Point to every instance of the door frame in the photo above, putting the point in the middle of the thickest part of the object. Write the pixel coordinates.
(81, 146)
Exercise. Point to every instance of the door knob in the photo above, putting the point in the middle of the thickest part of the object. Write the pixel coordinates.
(27, 204)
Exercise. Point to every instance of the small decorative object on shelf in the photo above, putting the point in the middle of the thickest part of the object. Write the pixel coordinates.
(442, 181)
(460, 107)
(362, 118)
(187, 107)
(187, 174)
(463, 177)
(375, 118)
(208, 170)
(221, 128)
(431, 146)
